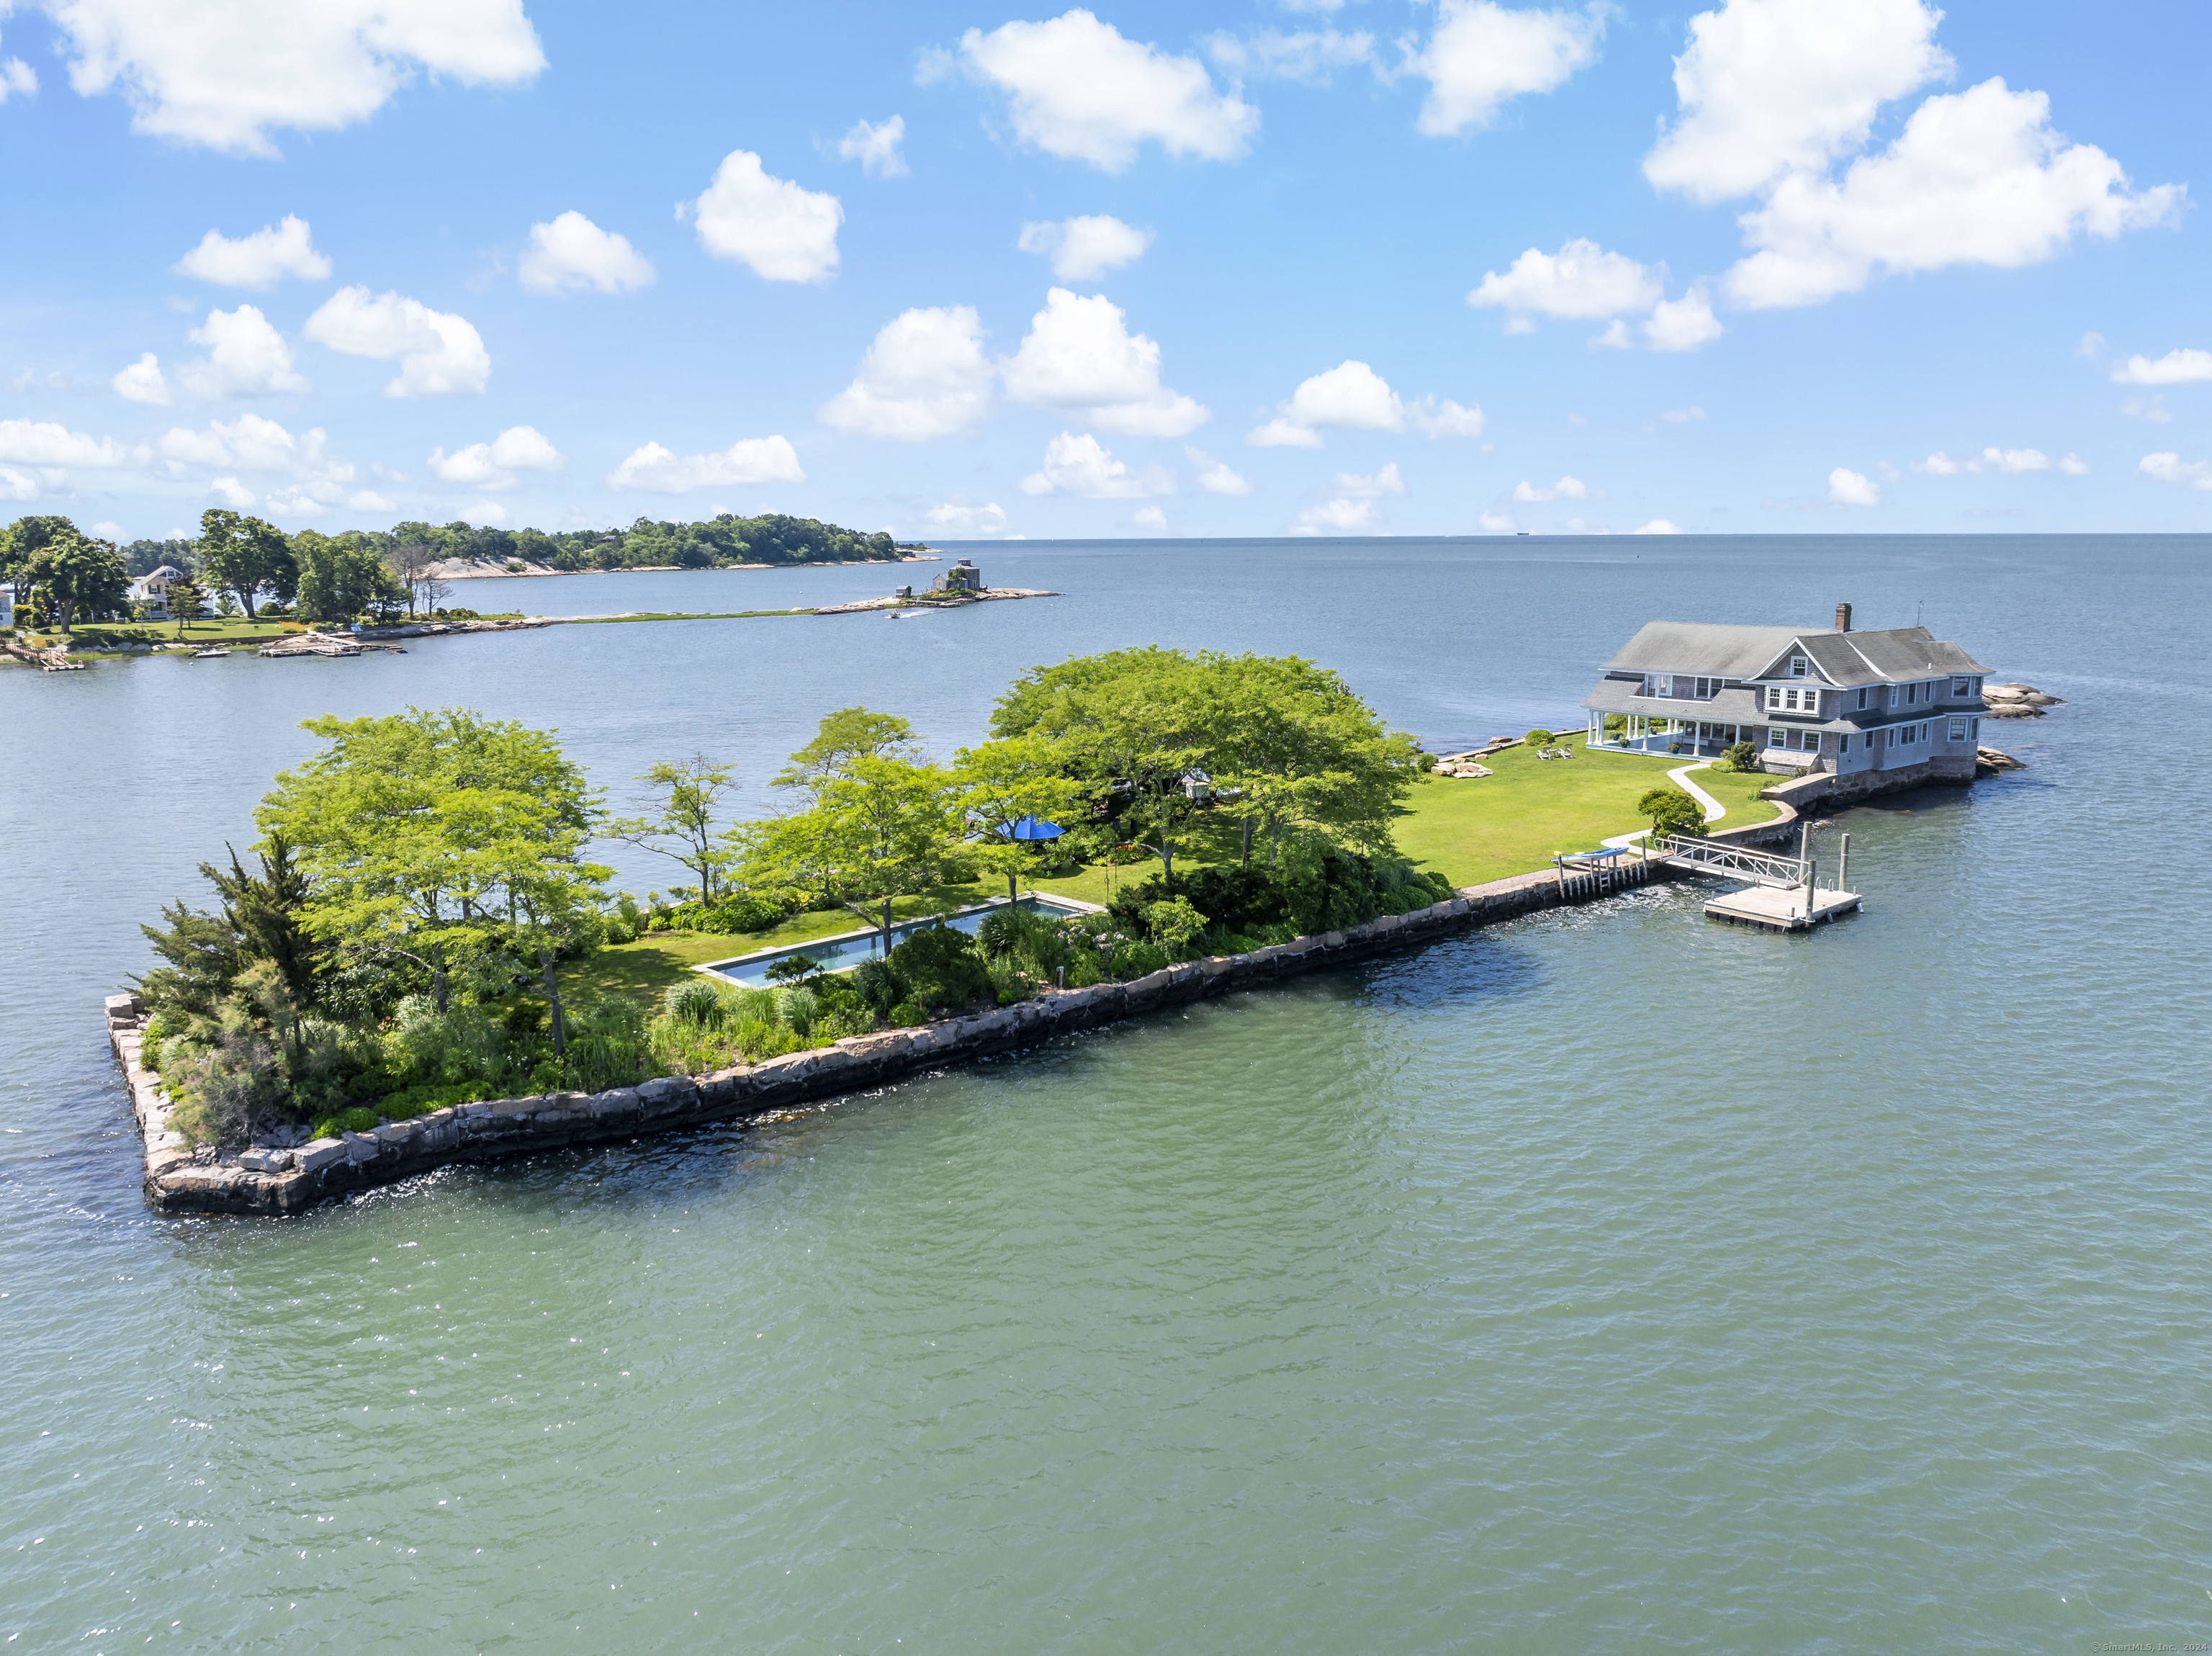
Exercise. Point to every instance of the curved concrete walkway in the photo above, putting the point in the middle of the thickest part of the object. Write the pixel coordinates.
(1680, 776)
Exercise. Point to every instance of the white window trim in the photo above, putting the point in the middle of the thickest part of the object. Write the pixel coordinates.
(1797, 667)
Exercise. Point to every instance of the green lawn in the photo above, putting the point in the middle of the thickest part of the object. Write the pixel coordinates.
(1510, 822)
(657, 959)
(1514, 820)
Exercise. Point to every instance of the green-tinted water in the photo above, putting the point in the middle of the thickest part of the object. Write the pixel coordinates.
(1602, 1280)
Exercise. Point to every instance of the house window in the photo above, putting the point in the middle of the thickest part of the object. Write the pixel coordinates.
(1912, 694)
(1973, 729)
(1777, 737)
(1796, 666)
(1862, 700)
(1957, 730)
(1962, 686)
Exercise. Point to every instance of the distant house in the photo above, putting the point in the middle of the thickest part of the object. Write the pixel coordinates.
(152, 591)
(1809, 699)
(963, 577)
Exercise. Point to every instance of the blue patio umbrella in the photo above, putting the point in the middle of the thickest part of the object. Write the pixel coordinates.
(1032, 828)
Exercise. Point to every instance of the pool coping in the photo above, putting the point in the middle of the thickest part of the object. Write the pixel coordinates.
(712, 968)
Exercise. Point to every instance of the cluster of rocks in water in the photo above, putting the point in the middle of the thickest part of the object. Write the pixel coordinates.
(1469, 763)
(2016, 702)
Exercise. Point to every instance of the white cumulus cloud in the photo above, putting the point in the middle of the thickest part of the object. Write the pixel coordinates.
(1079, 356)
(142, 382)
(1218, 477)
(1352, 396)
(1384, 482)
(1151, 518)
(924, 377)
(1480, 55)
(260, 260)
(876, 147)
(1339, 518)
(1656, 527)
(251, 443)
(2006, 460)
(1582, 282)
(1078, 463)
(18, 80)
(1309, 56)
(571, 254)
(43, 443)
(1567, 488)
(1849, 488)
(232, 493)
(1683, 416)
(247, 357)
(966, 520)
(1979, 177)
(1770, 86)
(492, 465)
(2176, 367)
(1077, 90)
(2073, 466)
(1496, 523)
(781, 231)
(222, 76)
(2171, 468)
(439, 355)
(1084, 248)
(1686, 323)
(657, 471)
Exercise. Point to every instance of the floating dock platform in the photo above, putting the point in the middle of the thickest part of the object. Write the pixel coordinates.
(1782, 908)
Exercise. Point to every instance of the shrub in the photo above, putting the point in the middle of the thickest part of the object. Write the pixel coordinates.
(798, 1007)
(1235, 895)
(878, 986)
(607, 1045)
(1137, 960)
(1539, 737)
(794, 968)
(696, 1002)
(1743, 756)
(1174, 926)
(1083, 969)
(360, 1119)
(906, 1015)
(1671, 811)
(941, 967)
(838, 1023)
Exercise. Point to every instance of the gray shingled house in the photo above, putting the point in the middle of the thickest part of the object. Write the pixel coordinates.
(1878, 708)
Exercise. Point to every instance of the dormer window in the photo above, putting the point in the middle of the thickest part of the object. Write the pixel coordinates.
(1796, 666)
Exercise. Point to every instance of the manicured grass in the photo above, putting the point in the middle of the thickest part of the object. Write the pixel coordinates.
(1509, 823)
(642, 969)
(1513, 821)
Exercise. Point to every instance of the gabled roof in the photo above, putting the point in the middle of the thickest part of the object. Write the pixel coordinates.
(1888, 655)
(1703, 647)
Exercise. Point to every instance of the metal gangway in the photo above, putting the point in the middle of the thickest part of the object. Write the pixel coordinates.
(1731, 862)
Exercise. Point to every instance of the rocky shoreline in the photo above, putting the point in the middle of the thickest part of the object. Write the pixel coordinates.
(274, 1179)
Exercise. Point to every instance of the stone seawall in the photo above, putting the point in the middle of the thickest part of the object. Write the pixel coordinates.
(276, 1181)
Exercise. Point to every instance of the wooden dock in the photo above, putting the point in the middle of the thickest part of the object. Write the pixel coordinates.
(1782, 908)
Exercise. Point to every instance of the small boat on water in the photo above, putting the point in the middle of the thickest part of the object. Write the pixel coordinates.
(213, 653)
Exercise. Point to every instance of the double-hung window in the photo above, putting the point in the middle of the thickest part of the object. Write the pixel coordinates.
(1957, 730)
(1862, 700)
(1777, 737)
(1796, 666)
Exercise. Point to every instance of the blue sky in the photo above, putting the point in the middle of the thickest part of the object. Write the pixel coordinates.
(1232, 269)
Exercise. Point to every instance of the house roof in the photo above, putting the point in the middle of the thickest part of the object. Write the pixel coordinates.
(1882, 655)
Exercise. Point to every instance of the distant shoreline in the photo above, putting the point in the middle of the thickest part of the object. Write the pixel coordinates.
(482, 569)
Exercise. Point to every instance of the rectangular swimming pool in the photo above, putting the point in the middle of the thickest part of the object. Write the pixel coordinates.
(847, 950)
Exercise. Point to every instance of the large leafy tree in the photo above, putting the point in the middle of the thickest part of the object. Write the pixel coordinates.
(877, 827)
(245, 557)
(847, 734)
(342, 579)
(68, 572)
(687, 795)
(999, 783)
(1177, 746)
(23, 540)
(434, 837)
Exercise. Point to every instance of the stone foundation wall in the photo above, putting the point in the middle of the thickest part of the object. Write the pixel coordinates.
(1949, 769)
(289, 1180)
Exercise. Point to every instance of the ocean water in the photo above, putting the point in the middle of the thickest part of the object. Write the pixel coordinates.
(1605, 1280)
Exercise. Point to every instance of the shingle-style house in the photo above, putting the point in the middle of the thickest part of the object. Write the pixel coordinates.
(1861, 705)
(152, 589)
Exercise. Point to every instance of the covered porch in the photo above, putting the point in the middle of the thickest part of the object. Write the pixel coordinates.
(1699, 739)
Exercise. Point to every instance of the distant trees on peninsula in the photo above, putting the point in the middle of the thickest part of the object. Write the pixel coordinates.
(63, 575)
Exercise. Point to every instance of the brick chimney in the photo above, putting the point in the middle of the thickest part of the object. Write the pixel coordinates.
(1843, 617)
